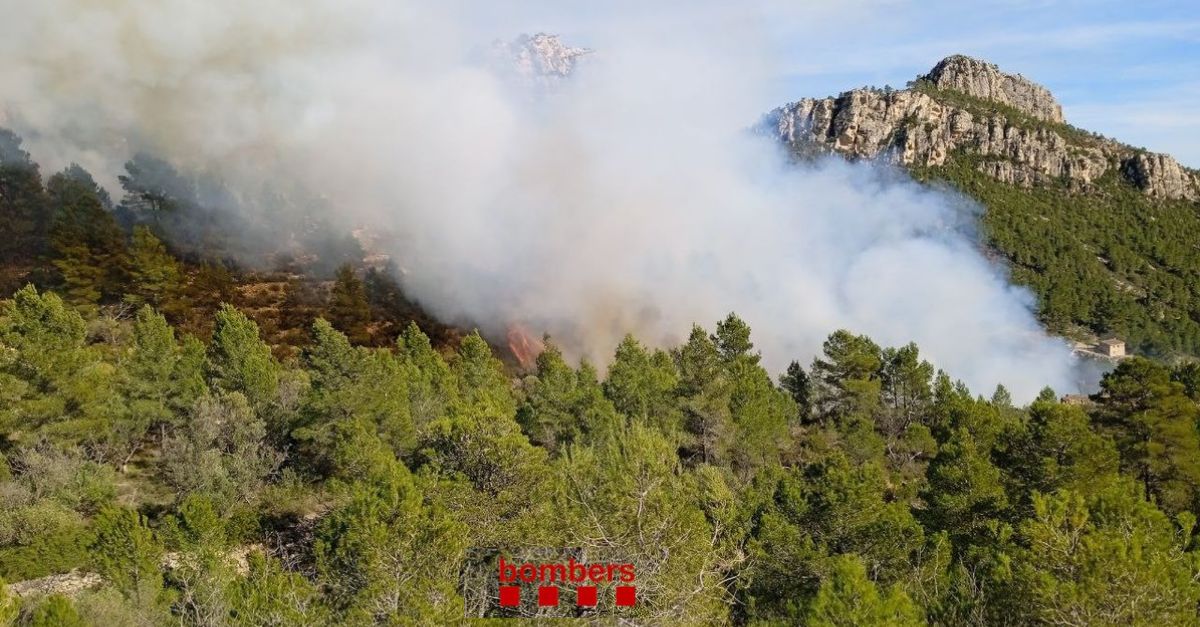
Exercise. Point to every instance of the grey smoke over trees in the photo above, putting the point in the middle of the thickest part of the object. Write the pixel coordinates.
(629, 198)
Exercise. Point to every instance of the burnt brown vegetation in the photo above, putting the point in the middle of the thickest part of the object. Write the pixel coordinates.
(160, 245)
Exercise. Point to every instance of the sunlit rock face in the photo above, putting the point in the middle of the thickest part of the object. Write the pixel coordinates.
(1023, 141)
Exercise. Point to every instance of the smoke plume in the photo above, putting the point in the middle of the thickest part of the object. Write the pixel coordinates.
(626, 198)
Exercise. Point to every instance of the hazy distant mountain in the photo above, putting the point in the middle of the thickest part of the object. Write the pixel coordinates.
(539, 59)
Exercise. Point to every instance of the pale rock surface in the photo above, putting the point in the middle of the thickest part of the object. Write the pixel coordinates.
(66, 584)
(1161, 176)
(984, 80)
(539, 59)
(916, 127)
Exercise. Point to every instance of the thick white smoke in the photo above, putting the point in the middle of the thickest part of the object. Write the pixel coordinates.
(630, 199)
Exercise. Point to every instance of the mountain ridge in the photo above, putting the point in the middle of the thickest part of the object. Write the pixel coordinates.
(1100, 231)
(969, 105)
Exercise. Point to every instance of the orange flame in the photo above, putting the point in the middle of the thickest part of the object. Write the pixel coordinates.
(524, 345)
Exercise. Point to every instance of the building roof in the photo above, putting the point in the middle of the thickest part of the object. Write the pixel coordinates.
(1112, 341)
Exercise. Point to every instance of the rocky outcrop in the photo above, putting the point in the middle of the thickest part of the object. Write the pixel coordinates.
(984, 80)
(540, 58)
(1161, 176)
(76, 581)
(67, 584)
(1024, 142)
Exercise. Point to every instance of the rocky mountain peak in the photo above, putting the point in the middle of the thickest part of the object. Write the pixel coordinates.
(1010, 128)
(985, 80)
(538, 58)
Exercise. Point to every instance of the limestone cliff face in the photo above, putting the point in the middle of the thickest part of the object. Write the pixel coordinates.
(1160, 176)
(968, 106)
(984, 80)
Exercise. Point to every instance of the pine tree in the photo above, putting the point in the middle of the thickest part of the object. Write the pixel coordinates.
(1154, 423)
(650, 503)
(706, 391)
(733, 339)
(25, 216)
(161, 379)
(548, 416)
(201, 570)
(56, 610)
(127, 554)
(906, 380)
(241, 362)
(154, 189)
(154, 276)
(482, 385)
(273, 595)
(846, 381)
(760, 412)
(385, 556)
(831, 506)
(349, 309)
(432, 390)
(1060, 450)
(89, 247)
(965, 492)
(848, 598)
(1112, 559)
(796, 383)
(54, 381)
(354, 384)
(502, 478)
(203, 293)
(77, 173)
(641, 385)
(562, 405)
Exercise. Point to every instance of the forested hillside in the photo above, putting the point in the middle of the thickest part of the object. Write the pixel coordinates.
(1102, 232)
(1108, 261)
(164, 245)
(184, 468)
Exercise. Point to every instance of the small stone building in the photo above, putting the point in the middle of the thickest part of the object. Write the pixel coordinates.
(1113, 347)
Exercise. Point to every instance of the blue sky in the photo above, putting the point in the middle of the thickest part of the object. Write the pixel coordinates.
(1129, 70)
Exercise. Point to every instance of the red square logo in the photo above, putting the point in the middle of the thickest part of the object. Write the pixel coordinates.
(547, 596)
(510, 596)
(586, 596)
(626, 595)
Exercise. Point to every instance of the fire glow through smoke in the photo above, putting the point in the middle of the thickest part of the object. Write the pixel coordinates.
(523, 346)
